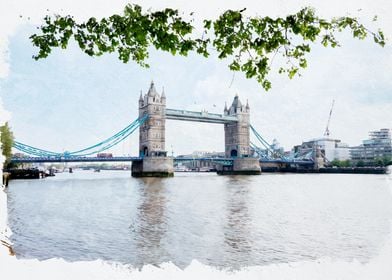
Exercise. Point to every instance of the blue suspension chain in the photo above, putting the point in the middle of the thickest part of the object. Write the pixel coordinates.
(99, 147)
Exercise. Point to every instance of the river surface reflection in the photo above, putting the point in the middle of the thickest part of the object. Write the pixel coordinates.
(223, 221)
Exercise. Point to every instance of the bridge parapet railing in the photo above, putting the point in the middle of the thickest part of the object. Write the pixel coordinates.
(219, 160)
(202, 115)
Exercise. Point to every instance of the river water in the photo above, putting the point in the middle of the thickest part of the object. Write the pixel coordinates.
(223, 221)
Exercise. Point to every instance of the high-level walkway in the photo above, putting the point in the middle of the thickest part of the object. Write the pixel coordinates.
(183, 115)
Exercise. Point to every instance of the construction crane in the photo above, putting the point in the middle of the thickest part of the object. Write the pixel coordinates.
(326, 133)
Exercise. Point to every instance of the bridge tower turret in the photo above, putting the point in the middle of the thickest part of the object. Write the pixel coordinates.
(237, 133)
(152, 132)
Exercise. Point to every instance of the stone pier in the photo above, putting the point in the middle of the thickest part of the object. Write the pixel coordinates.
(153, 167)
(242, 166)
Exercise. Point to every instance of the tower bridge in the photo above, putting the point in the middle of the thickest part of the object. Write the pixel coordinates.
(153, 160)
(152, 135)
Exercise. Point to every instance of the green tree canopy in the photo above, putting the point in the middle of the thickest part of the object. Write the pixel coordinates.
(341, 163)
(6, 140)
(250, 43)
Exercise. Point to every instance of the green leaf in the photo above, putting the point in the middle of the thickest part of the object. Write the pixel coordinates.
(207, 24)
(303, 63)
(292, 72)
(235, 66)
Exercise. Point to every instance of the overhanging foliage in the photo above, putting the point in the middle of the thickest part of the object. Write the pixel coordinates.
(251, 43)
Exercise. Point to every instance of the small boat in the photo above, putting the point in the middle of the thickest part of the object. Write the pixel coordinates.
(97, 170)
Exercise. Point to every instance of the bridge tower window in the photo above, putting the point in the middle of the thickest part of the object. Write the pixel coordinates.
(145, 151)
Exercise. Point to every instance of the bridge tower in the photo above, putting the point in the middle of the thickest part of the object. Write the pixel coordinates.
(155, 162)
(237, 140)
(152, 132)
(237, 133)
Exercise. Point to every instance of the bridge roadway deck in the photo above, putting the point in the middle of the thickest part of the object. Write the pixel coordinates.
(183, 115)
(224, 161)
(107, 159)
(73, 159)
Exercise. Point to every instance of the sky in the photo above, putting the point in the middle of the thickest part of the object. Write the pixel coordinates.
(69, 100)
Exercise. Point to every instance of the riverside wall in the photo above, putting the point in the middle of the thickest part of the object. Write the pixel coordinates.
(242, 166)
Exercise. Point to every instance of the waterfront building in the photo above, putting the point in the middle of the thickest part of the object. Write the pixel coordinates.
(207, 154)
(378, 146)
(331, 149)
